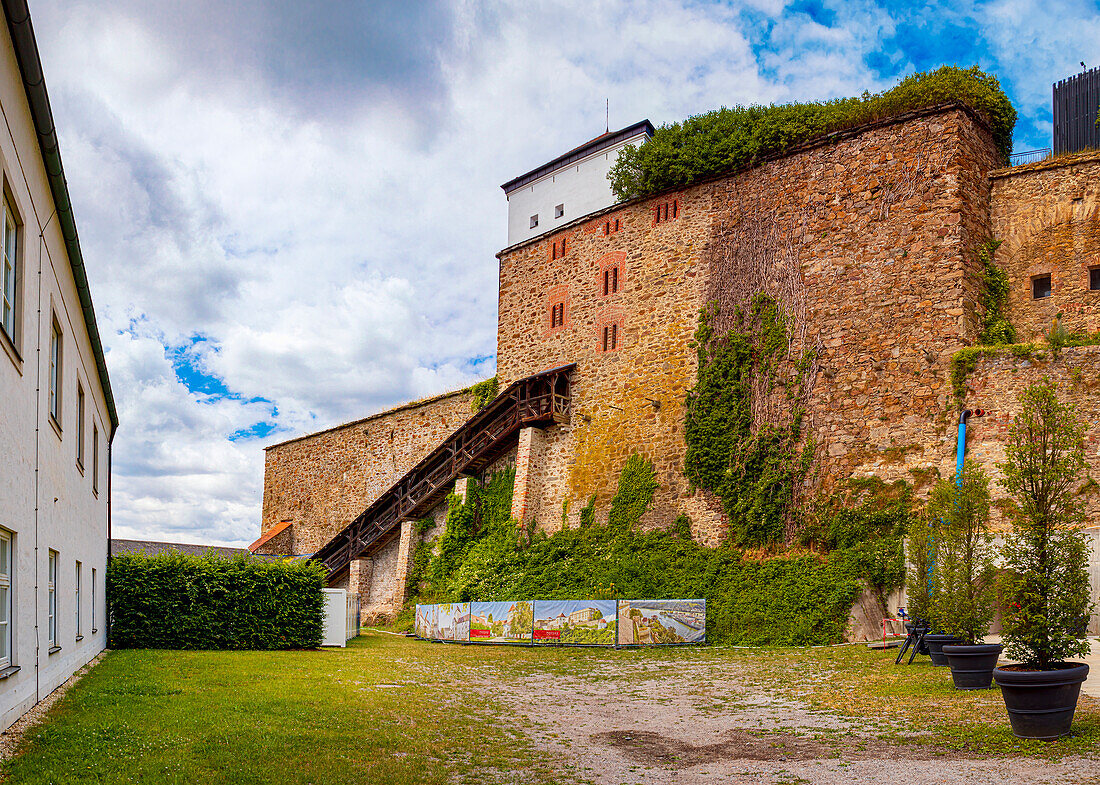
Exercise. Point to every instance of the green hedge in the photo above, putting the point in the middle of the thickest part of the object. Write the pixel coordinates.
(175, 601)
(724, 140)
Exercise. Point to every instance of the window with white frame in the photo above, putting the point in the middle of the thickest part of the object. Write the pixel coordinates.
(95, 461)
(9, 275)
(94, 630)
(52, 588)
(55, 372)
(79, 627)
(5, 599)
(79, 426)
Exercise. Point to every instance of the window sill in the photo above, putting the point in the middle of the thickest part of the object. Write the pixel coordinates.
(80, 468)
(94, 631)
(79, 638)
(11, 351)
(54, 649)
(9, 671)
(56, 426)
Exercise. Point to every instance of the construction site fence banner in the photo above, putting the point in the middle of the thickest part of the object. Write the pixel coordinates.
(662, 622)
(501, 622)
(577, 622)
(452, 622)
(566, 622)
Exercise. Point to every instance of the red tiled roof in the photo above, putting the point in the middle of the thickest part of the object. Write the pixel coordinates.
(270, 533)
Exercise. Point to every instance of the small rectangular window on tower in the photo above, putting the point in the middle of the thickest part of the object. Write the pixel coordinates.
(1040, 287)
(1094, 278)
(610, 337)
(559, 211)
(557, 315)
(610, 280)
(534, 220)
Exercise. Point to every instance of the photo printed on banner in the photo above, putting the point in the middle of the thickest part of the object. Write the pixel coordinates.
(590, 622)
(453, 621)
(501, 622)
(657, 622)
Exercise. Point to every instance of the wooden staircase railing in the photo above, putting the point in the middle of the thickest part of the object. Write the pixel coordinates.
(538, 400)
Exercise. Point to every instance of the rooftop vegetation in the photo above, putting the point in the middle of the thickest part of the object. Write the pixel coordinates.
(724, 140)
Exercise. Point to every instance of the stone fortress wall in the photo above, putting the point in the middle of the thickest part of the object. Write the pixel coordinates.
(320, 482)
(869, 241)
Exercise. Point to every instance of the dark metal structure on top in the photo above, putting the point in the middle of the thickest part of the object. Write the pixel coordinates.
(1076, 100)
(539, 400)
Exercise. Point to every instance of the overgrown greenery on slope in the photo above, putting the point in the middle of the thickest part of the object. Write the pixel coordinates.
(724, 140)
(758, 599)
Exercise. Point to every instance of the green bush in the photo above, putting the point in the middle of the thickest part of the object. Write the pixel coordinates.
(726, 140)
(177, 601)
(483, 393)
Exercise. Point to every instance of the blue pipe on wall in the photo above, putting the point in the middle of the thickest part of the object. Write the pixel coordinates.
(960, 452)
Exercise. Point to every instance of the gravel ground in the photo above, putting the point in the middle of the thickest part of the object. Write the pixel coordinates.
(637, 724)
(13, 736)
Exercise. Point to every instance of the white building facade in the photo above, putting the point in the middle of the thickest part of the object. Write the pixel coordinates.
(57, 413)
(570, 186)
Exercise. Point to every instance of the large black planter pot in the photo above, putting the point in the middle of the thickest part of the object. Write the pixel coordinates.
(1041, 703)
(972, 666)
(935, 647)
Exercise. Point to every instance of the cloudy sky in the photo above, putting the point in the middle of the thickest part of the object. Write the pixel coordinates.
(289, 211)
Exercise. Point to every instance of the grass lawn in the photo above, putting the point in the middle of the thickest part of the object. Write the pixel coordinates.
(395, 710)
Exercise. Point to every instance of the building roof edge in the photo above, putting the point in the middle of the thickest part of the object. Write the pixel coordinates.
(34, 84)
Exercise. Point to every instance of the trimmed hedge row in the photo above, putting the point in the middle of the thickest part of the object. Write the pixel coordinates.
(176, 601)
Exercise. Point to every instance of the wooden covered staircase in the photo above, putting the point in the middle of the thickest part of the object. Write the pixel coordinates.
(536, 401)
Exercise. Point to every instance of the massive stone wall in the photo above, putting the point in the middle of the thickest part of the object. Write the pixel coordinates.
(867, 241)
(1047, 216)
(321, 481)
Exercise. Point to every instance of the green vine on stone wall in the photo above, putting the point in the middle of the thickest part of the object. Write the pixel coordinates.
(483, 393)
(752, 467)
(996, 328)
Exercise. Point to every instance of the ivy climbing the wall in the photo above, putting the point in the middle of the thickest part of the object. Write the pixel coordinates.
(798, 598)
(996, 328)
(753, 467)
(483, 393)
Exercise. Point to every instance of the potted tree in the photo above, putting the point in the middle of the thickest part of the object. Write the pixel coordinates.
(920, 552)
(1046, 586)
(964, 591)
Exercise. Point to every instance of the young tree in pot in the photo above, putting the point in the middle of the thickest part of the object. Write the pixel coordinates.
(964, 592)
(1046, 587)
(920, 547)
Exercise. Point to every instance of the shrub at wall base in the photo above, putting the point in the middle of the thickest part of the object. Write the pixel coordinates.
(177, 601)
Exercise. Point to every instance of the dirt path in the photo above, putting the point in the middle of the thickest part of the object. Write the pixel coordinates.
(641, 722)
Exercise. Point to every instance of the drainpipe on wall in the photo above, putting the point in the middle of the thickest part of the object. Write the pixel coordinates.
(960, 452)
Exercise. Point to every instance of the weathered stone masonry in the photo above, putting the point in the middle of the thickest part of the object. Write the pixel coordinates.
(319, 483)
(868, 240)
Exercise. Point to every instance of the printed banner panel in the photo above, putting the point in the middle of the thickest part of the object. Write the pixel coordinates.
(425, 615)
(452, 622)
(575, 621)
(501, 622)
(653, 622)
